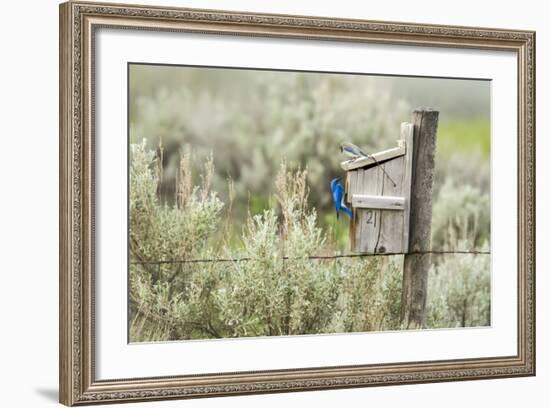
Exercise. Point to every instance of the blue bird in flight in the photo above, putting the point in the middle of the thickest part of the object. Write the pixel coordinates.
(354, 152)
(338, 197)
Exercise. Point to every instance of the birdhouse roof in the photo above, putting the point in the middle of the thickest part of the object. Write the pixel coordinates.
(375, 158)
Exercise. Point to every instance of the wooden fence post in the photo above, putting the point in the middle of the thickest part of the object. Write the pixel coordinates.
(416, 265)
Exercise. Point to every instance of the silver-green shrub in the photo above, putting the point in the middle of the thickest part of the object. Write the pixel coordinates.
(459, 292)
(267, 284)
(301, 117)
(461, 217)
(459, 285)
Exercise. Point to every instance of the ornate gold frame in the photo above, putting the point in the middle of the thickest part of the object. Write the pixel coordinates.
(78, 22)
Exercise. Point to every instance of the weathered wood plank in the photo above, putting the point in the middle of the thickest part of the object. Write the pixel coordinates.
(351, 185)
(368, 181)
(391, 222)
(366, 219)
(407, 135)
(417, 264)
(374, 158)
(379, 229)
(378, 202)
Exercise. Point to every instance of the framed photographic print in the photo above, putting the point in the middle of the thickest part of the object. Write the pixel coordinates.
(256, 203)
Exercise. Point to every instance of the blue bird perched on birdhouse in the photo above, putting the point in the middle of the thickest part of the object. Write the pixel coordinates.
(338, 197)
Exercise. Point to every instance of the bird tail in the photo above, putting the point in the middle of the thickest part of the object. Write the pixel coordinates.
(348, 211)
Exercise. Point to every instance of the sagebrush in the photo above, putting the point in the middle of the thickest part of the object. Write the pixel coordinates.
(261, 281)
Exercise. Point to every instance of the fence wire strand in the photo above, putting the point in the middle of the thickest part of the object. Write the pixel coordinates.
(319, 257)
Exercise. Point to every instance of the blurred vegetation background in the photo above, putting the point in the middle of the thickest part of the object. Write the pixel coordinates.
(215, 153)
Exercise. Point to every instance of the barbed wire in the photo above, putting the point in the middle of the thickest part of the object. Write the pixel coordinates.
(313, 257)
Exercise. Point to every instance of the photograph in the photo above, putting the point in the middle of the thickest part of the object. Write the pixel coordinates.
(278, 203)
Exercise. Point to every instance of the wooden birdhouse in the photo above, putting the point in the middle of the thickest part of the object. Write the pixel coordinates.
(378, 190)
